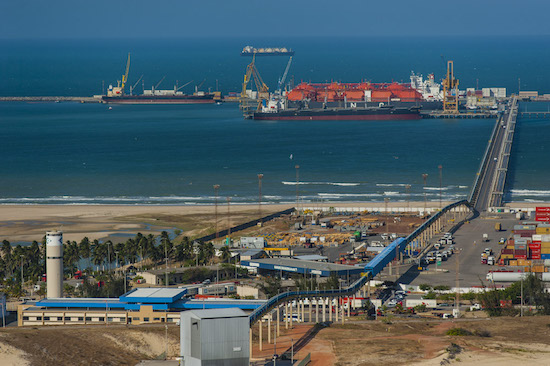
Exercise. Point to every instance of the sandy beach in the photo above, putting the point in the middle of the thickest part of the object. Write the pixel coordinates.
(25, 223)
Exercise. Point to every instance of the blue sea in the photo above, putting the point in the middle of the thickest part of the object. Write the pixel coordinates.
(71, 153)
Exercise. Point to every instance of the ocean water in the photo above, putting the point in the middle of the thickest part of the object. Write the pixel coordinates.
(85, 153)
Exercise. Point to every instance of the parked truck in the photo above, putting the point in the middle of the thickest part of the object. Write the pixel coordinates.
(498, 226)
(485, 237)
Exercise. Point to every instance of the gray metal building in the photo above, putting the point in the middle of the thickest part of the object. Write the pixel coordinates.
(215, 337)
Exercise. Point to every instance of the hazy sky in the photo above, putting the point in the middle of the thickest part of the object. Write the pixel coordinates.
(277, 18)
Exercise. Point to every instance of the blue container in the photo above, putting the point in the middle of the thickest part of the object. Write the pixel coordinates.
(545, 256)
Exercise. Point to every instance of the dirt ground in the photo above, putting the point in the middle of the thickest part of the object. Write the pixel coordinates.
(500, 341)
(91, 345)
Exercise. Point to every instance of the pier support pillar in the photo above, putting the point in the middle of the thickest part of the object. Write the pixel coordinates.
(269, 330)
(324, 312)
(317, 310)
(309, 312)
(349, 306)
(278, 320)
(260, 341)
(329, 309)
(336, 309)
(291, 313)
(303, 301)
(286, 315)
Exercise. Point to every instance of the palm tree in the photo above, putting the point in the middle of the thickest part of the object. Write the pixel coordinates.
(8, 257)
(71, 256)
(99, 252)
(225, 254)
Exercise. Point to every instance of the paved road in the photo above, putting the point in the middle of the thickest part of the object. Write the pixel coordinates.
(471, 271)
(484, 195)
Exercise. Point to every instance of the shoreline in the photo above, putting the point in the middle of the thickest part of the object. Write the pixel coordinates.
(22, 223)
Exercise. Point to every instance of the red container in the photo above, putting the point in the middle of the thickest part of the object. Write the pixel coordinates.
(535, 256)
(543, 209)
(507, 251)
(534, 246)
(518, 256)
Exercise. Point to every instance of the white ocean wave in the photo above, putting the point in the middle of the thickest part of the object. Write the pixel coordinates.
(321, 183)
(438, 189)
(391, 185)
(530, 192)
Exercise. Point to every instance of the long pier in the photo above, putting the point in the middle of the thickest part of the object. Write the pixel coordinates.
(503, 159)
(54, 99)
(488, 188)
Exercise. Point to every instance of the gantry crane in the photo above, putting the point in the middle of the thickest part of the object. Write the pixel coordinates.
(450, 90)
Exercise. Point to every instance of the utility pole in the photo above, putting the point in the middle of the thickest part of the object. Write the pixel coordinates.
(440, 167)
(457, 296)
(166, 259)
(216, 187)
(229, 217)
(521, 306)
(408, 189)
(260, 176)
(425, 178)
(297, 167)
(21, 255)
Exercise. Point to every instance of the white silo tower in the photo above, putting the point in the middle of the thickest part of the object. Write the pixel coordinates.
(54, 264)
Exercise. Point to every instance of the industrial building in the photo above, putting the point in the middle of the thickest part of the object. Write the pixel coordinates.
(215, 337)
(323, 269)
(138, 306)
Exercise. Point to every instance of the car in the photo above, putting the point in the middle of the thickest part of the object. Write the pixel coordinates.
(392, 302)
(502, 241)
(401, 292)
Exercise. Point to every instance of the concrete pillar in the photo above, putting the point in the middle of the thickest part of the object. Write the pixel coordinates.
(291, 313)
(286, 315)
(278, 320)
(343, 312)
(353, 303)
(330, 310)
(336, 308)
(349, 306)
(317, 310)
(260, 327)
(269, 329)
(309, 312)
(324, 312)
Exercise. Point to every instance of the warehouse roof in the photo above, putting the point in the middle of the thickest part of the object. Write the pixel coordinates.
(153, 295)
(301, 266)
(218, 313)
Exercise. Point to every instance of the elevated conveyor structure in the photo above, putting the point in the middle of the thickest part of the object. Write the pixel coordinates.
(456, 213)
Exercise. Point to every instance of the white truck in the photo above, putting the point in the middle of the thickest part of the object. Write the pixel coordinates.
(485, 237)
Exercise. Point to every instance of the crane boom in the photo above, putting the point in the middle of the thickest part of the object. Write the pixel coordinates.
(134, 86)
(283, 78)
(125, 76)
(184, 85)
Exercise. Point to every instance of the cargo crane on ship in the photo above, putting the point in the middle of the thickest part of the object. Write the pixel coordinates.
(116, 91)
(450, 90)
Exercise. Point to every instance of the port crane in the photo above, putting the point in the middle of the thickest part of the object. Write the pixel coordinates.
(283, 78)
(252, 72)
(450, 90)
(134, 86)
(118, 90)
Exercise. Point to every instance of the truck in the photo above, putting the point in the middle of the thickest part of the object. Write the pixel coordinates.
(485, 237)
(498, 226)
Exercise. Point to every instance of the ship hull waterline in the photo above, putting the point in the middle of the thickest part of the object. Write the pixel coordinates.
(336, 117)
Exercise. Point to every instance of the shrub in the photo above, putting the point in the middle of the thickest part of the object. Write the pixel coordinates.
(482, 333)
(442, 288)
(430, 295)
(458, 332)
(424, 287)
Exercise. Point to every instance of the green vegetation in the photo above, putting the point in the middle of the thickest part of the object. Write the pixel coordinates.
(271, 286)
(442, 288)
(458, 332)
(498, 302)
(424, 287)
(430, 295)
